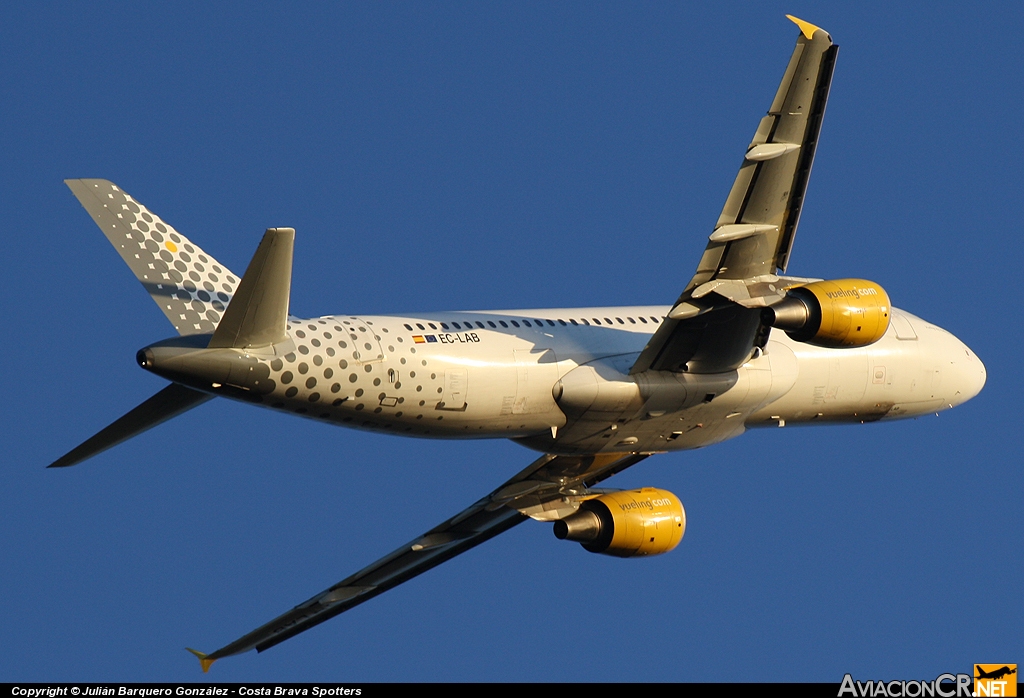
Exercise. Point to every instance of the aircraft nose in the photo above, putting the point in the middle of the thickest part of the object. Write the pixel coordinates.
(971, 375)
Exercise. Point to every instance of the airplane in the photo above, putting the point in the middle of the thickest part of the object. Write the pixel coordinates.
(995, 673)
(593, 390)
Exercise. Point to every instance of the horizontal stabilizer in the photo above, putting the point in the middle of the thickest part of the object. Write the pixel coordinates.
(170, 402)
(191, 287)
(258, 315)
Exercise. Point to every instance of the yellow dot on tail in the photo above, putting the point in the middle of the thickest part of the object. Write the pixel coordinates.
(171, 246)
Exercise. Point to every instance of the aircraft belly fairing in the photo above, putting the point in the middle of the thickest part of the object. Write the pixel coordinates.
(596, 390)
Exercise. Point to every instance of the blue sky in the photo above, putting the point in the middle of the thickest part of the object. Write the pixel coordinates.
(438, 156)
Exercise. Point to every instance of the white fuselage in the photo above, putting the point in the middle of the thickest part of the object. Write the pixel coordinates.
(558, 379)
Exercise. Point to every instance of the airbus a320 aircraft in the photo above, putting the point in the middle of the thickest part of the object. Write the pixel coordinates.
(594, 390)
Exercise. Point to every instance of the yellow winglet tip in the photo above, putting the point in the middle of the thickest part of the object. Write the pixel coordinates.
(806, 28)
(204, 661)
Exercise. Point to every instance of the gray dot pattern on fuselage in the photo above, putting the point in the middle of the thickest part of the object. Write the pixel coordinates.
(345, 371)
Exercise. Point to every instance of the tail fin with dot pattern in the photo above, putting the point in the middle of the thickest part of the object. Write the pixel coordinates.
(191, 287)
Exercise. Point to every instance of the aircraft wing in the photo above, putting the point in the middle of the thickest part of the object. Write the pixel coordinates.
(715, 323)
(545, 490)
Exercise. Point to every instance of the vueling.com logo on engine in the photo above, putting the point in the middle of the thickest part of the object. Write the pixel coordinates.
(995, 680)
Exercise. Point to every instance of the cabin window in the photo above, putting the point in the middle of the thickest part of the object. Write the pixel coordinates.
(643, 319)
(456, 326)
(420, 326)
(491, 323)
(631, 320)
(432, 325)
(573, 321)
(444, 325)
(502, 323)
(527, 323)
(479, 324)
(562, 322)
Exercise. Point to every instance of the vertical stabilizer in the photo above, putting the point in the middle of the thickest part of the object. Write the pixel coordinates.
(191, 287)
(258, 315)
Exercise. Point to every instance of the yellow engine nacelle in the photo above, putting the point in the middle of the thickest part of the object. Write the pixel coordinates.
(840, 313)
(647, 521)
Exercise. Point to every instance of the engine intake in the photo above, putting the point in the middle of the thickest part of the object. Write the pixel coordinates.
(647, 521)
(840, 313)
